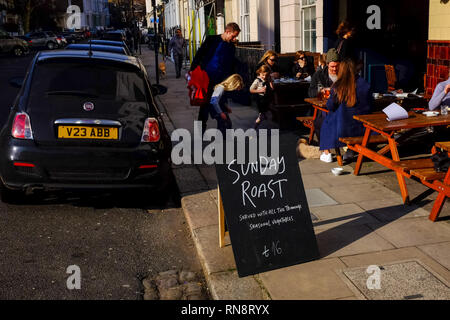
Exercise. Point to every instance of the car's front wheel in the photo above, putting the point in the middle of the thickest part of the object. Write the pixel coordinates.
(50, 45)
(18, 51)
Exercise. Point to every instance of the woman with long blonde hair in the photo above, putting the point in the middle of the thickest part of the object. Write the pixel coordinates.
(220, 109)
(350, 96)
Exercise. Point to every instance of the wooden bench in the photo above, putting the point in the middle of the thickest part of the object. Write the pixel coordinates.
(374, 139)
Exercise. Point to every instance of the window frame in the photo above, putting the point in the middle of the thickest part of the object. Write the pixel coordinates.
(312, 42)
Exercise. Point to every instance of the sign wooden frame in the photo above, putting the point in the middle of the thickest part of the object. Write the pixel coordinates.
(222, 232)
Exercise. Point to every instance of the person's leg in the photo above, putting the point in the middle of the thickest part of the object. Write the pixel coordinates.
(177, 65)
(180, 65)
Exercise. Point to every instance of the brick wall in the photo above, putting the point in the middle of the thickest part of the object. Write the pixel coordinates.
(438, 64)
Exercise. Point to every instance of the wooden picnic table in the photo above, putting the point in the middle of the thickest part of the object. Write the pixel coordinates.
(377, 123)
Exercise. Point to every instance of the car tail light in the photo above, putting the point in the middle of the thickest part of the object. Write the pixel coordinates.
(30, 41)
(21, 128)
(151, 131)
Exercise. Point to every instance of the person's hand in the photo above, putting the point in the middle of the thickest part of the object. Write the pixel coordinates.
(298, 75)
(229, 109)
(223, 116)
(447, 89)
(262, 90)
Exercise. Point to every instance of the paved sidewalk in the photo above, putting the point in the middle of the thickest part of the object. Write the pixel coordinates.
(358, 222)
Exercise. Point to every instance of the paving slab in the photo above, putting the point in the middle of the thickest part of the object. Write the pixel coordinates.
(439, 252)
(348, 178)
(310, 166)
(346, 240)
(313, 181)
(361, 192)
(228, 286)
(408, 280)
(332, 216)
(391, 256)
(200, 210)
(213, 258)
(317, 198)
(387, 210)
(412, 232)
(315, 280)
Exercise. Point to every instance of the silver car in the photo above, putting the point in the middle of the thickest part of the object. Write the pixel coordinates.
(42, 40)
(16, 46)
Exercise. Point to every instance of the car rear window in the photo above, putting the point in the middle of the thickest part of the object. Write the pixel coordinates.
(104, 81)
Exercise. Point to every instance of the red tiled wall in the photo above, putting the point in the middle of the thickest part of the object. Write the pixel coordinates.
(438, 64)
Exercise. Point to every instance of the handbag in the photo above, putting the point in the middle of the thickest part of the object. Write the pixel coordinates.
(441, 161)
(198, 87)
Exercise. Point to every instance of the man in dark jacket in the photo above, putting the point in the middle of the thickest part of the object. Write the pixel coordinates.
(217, 57)
(176, 46)
(324, 79)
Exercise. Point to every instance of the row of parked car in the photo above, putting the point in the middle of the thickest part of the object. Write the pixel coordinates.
(49, 40)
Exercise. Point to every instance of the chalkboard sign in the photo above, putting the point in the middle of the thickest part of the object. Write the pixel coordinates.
(267, 215)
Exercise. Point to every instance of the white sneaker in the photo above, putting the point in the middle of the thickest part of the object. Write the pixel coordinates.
(328, 158)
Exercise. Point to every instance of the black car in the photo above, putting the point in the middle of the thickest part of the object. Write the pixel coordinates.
(117, 35)
(85, 120)
(97, 47)
(110, 43)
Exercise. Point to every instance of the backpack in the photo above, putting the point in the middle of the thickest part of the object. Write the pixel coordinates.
(441, 161)
(198, 87)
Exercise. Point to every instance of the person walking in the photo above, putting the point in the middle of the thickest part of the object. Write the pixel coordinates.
(176, 46)
(262, 88)
(217, 57)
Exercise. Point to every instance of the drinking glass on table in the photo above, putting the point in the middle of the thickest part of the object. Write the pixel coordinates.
(326, 93)
(444, 110)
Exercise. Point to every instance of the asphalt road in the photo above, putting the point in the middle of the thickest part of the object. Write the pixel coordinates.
(116, 239)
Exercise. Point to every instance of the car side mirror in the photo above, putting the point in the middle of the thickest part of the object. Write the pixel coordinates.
(158, 90)
(16, 82)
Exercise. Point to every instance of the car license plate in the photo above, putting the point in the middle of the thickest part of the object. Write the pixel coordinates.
(80, 132)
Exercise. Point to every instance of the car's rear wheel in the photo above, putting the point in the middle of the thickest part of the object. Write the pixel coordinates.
(10, 196)
(18, 51)
(50, 45)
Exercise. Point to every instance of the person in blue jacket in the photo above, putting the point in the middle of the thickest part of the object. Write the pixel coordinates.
(350, 96)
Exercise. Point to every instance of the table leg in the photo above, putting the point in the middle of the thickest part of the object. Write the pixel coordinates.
(311, 133)
(440, 200)
(400, 177)
(360, 156)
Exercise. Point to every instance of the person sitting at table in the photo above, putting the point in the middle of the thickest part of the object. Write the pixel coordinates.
(270, 59)
(441, 95)
(302, 69)
(322, 62)
(324, 79)
(350, 96)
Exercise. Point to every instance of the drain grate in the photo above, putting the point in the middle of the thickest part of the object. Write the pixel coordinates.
(400, 281)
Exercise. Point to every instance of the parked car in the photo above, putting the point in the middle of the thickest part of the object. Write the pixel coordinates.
(117, 35)
(59, 40)
(85, 121)
(63, 39)
(42, 40)
(16, 46)
(97, 47)
(111, 43)
(69, 36)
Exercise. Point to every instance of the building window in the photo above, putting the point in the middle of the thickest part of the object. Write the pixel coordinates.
(245, 20)
(309, 25)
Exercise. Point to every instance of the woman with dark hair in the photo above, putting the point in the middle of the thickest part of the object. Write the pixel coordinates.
(302, 69)
(350, 96)
(345, 44)
(270, 59)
